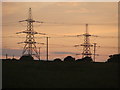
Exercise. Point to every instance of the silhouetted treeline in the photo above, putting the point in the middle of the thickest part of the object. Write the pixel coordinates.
(72, 59)
(57, 60)
(114, 58)
(85, 59)
(69, 59)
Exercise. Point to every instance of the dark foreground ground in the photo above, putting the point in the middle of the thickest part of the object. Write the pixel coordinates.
(19, 74)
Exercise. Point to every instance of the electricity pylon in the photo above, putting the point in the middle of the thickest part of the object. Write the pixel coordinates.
(30, 43)
(86, 45)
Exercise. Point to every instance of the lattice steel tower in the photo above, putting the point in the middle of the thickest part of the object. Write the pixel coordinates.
(86, 45)
(30, 43)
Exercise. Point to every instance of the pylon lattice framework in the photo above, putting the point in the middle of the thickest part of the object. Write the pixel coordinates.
(30, 43)
(86, 45)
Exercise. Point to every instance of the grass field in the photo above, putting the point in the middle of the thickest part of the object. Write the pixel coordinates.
(36, 74)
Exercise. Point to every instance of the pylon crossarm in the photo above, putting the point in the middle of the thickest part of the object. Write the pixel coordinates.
(77, 45)
(39, 22)
(89, 45)
(79, 35)
(30, 32)
(95, 35)
(19, 32)
(42, 33)
(86, 53)
(30, 42)
(86, 34)
(30, 20)
(22, 20)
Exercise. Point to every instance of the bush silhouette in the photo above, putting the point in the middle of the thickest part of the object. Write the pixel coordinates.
(14, 59)
(85, 59)
(57, 60)
(114, 58)
(9, 59)
(79, 60)
(69, 59)
(26, 58)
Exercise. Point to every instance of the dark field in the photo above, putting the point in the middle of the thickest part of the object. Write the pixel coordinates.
(38, 74)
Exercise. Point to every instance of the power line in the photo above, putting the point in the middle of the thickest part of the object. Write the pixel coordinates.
(59, 23)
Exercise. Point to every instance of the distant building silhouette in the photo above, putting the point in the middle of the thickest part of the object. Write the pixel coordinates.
(114, 58)
(69, 59)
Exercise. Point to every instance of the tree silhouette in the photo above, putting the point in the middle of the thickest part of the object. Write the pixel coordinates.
(85, 59)
(114, 58)
(57, 60)
(26, 58)
(69, 59)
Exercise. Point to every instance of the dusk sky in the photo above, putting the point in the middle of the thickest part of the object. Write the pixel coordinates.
(62, 18)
